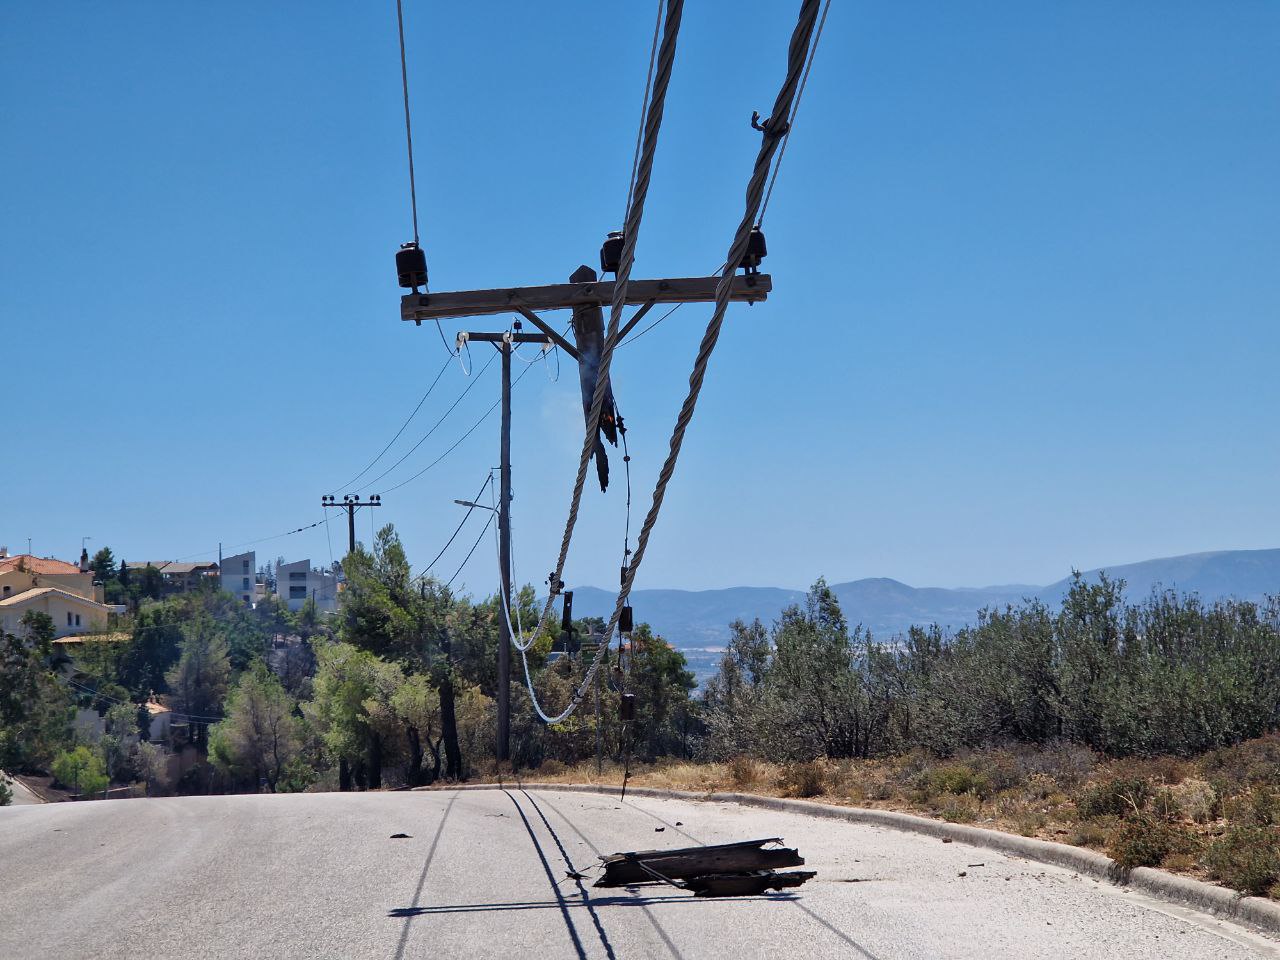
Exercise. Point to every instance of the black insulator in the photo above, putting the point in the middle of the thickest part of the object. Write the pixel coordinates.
(756, 250)
(411, 265)
(625, 620)
(627, 707)
(611, 252)
(566, 618)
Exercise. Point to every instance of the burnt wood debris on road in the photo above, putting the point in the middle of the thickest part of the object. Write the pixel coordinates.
(723, 870)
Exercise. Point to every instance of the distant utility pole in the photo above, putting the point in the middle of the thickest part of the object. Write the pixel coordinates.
(350, 504)
(583, 291)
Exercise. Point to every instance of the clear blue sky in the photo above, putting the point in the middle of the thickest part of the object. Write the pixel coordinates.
(1025, 256)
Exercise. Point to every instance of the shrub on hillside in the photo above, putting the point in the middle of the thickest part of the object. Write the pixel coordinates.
(1245, 858)
(952, 779)
(806, 779)
(1117, 797)
(1196, 799)
(1145, 841)
(743, 771)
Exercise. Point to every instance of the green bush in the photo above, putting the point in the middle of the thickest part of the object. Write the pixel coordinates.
(961, 808)
(1144, 841)
(953, 779)
(1118, 797)
(81, 770)
(1245, 858)
(6, 792)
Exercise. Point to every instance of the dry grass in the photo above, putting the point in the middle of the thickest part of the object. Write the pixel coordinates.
(1213, 817)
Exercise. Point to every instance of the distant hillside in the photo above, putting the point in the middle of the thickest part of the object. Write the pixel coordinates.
(696, 621)
(1243, 574)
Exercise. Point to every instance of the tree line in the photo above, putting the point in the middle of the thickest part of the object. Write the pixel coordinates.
(399, 687)
(1167, 675)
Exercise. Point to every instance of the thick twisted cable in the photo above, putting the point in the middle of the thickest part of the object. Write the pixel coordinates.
(796, 56)
(644, 172)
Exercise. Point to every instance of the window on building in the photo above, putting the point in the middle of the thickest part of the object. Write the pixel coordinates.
(68, 618)
(245, 598)
(298, 593)
(245, 566)
(244, 584)
(6, 590)
(297, 574)
(77, 619)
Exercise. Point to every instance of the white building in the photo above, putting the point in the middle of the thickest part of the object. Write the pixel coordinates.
(298, 581)
(239, 577)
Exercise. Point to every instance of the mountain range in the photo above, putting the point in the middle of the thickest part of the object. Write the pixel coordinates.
(697, 621)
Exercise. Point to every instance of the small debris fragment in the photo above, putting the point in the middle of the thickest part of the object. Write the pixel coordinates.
(658, 829)
(946, 839)
(977, 864)
(964, 873)
(400, 836)
(679, 823)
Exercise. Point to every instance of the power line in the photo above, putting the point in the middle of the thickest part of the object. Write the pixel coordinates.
(465, 516)
(457, 443)
(791, 120)
(644, 109)
(408, 129)
(403, 426)
(631, 233)
(474, 380)
(772, 130)
(471, 551)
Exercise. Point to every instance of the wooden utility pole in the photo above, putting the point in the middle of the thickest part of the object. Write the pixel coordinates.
(350, 504)
(525, 301)
(504, 560)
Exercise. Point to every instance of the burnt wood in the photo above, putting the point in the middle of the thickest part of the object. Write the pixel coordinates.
(746, 884)
(625, 869)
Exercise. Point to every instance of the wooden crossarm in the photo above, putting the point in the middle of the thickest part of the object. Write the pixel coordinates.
(566, 296)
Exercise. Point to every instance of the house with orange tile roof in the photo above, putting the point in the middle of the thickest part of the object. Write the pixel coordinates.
(62, 590)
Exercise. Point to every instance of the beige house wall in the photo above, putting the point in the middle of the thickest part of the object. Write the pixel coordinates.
(18, 581)
(62, 609)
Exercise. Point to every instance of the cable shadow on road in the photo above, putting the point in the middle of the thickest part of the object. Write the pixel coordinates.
(560, 900)
(582, 891)
(666, 939)
(408, 912)
(561, 903)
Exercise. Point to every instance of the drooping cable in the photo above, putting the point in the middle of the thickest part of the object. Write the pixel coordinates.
(402, 429)
(454, 536)
(408, 128)
(467, 559)
(457, 443)
(796, 58)
(435, 426)
(644, 172)
(644, 108)
(791, 120)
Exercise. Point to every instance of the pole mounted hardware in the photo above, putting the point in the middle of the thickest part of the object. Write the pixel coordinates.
(411, 266)
(350, 503)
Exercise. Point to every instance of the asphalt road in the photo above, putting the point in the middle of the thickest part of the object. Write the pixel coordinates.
(482, 874)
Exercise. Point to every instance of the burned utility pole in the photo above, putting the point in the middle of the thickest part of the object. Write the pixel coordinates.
(350, 503)
(583, 293)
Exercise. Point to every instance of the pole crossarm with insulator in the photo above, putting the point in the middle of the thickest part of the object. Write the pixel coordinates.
(566, 296)
(350, 504)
